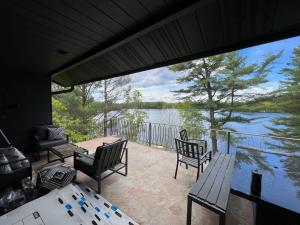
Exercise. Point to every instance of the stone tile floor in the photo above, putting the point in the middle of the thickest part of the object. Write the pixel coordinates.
(150, 194)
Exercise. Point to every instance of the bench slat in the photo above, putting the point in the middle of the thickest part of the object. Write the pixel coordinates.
(225, 189)
(211, 179)
(202, 179)
(213, 186)
(216, 187)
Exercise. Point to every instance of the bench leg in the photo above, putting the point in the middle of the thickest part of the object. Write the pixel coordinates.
(222, 219)
(189, 211)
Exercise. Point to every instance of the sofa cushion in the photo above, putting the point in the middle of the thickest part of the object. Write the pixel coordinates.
(42, 131)
(55, 133)
(48, 144)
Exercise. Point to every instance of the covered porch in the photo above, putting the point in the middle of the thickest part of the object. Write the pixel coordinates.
(150, 194)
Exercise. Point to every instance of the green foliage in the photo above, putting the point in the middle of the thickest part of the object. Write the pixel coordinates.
(84, 118)
(61, 117)
(135, 116)
(76, 112)
(219, 83)
(192, 118)
(290, 100)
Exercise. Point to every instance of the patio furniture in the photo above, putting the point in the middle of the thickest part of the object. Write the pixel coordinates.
(54, 175)
(184, 136)
(189, 154)
(43, 142)
(14, 166)
(279, 199)
(106, 161)
(213, 187)
(64, 151)
(71, 205)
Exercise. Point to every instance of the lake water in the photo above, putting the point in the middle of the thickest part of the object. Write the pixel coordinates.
(251, 134)
(257, 126)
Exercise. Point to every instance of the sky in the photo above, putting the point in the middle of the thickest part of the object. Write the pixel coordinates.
(158, 84)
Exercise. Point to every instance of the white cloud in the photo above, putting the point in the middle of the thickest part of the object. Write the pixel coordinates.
(158, 93)
(156, 77)
(156, 84)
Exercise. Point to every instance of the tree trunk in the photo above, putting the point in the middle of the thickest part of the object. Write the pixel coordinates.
(213, 132)
(105, 109)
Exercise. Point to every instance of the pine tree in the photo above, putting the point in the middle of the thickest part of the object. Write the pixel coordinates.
(219, 82)
(290, 102)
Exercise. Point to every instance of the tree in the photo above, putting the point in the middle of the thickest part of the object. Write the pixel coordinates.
(61, 117)
(219, 82)
(76, 111)
(112, 92)
(135, 116)
(192, 118)
(289, 93)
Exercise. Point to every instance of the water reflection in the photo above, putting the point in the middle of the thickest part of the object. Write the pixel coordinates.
(253, 157)
(281, 167)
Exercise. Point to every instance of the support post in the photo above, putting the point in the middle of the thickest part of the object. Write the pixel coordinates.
(111, 127)
(228, 142)
(150, 134)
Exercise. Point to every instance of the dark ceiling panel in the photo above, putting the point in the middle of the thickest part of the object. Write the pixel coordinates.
(287, 15)
(95, 14)
(192, 32)
(46, 10)
(154, 6)
(211, 24)
(242, 20)
(152, 48)
(39, 22)
(110, 9)
(79, 41)
(134, 8)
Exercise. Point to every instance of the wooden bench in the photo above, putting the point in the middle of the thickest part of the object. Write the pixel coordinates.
(213, 187)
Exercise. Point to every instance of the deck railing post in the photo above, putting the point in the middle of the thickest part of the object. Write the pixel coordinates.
(111, 127)
(150, 134)
(228, 142)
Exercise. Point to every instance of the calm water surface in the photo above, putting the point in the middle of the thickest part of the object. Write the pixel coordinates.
(257, 126)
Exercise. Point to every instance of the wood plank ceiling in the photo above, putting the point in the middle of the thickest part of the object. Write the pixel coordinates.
(78, 41)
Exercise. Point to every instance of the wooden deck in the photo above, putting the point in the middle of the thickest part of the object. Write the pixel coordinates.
(150, 194)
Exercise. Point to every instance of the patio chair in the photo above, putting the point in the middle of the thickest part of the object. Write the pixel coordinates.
(107, 160)
(184, 136)
(189, 154)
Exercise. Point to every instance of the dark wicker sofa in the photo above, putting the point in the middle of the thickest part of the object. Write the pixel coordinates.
(41, 141)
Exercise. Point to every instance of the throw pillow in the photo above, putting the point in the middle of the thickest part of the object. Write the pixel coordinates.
(56, 133)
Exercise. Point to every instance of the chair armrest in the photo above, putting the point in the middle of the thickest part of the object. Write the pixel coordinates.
(196, 140)
(206, 154)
